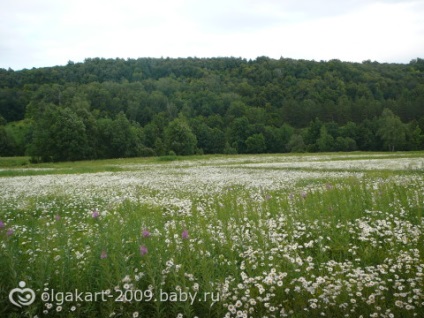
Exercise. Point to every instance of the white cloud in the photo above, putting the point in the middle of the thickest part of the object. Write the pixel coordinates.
(48, 32)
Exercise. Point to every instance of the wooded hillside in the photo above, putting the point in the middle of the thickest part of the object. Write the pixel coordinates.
(108, 108)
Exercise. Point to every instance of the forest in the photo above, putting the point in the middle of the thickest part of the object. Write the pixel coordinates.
(114, 108)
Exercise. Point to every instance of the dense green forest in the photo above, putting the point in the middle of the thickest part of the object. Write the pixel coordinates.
(109, 108)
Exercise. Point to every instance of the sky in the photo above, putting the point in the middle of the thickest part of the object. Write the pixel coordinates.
(42, 33)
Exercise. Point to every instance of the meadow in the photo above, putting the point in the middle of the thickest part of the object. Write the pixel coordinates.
(311, 235)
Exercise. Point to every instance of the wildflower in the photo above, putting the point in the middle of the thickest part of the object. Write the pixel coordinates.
(184, 235)
(126, 279)
(57, 217)
(103, 255)
(1, 224)
(95, 214)
(135, 314)
(9, 232)
(145, 233)
(399, 303)
(59, 308)
(232, 309)
(143, 250)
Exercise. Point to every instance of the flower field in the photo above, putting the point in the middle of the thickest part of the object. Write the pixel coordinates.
(329, 235)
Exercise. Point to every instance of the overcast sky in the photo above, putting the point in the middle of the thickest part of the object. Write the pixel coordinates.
(38, 33)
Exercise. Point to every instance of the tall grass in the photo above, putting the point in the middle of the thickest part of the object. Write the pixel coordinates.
(341, 247)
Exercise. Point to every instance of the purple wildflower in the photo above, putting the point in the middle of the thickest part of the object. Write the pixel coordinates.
(57, 217)
(145, 233)
(103, 255)
(143, 250)
(1, 224)
(9, 232)
(95, 214)
(184, 235)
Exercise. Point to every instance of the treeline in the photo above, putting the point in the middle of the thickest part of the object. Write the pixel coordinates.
(109, 108)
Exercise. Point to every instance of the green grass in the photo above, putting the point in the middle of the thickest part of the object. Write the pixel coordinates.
(21, 166)
(333, 246)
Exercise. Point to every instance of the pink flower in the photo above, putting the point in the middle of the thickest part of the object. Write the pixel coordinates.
(103, 255)
(145, 233)
(143, 250)
(95, 214)
(184, 235)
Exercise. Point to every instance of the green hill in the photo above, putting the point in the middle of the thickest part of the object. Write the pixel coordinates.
(108, 108)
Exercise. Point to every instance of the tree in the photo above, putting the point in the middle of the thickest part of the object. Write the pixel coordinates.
(296, 144)
(391, 130)
(124, 141)
(325, 142)
(239, 131)
(235, 98)
(345, 144)
(19, 133)
(210, 140)
(59, 135)
(118, 138)
(349, 130)
(367, 138)
(276, 139)
(256, 143)
(179, 137)
(7, 145)
(313, 133)
(414, 136)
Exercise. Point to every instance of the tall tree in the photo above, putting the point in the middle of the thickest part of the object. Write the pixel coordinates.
(239, 131)
(59, 135)
(325, 142)
(7, 145)
(255, 143)
(391, 130)
(179, 137)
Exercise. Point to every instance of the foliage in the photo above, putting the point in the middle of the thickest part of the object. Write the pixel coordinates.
(392, 130)
(255, 143)
(179, 138)
(59, 135)
(224, 100)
